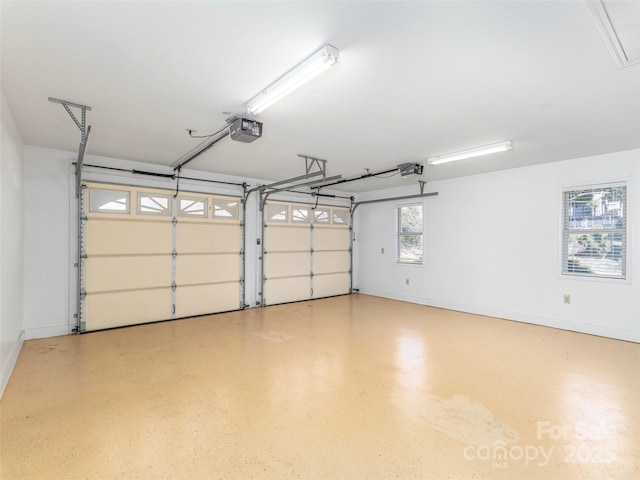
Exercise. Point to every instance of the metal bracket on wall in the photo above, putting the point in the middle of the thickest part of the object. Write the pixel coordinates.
(84, 134)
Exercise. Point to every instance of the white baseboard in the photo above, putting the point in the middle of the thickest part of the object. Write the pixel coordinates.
(588, 328)
(7, 367)
(48, 331)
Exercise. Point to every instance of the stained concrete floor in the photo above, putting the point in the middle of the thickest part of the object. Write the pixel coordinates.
(353, 387)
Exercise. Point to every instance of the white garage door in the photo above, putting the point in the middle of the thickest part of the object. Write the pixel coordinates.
(208, 237)
(306, 252)
(150, 256)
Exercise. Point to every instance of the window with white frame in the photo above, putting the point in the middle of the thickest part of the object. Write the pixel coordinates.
(340, 217)
(225, 208)
(321, 215)
(300, 214)
(594, 233)
(276, 213)
(153, 204)
(409, 234)
(108, 201)
(192, 206)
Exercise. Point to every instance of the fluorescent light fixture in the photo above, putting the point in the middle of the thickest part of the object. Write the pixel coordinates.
(471, 152)
(312, 66)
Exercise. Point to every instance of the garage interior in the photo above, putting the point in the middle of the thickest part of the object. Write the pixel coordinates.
(417, 261)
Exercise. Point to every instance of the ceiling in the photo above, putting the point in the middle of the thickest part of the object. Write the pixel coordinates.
(414, 79)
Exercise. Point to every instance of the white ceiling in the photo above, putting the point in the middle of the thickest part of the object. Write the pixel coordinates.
(414, 79)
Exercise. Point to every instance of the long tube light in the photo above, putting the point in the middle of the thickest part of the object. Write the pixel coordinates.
(318, 62)
(471, 152)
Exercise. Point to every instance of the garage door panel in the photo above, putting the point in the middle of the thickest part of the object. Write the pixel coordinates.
(278, 239)
(116, 237)
(330, 262)
(207, 268)
(207, 237)
(127, 272)
(109, 310)
(287, 264)
(329, 285)
(281, 290)
(204, 299)
(331, 239)
(130, 239)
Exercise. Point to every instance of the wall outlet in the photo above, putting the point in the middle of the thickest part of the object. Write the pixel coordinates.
(567, 298)
(406, 281)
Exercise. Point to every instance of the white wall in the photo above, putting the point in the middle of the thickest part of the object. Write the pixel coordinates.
(11, 235)
(47, 243)
(492, 247)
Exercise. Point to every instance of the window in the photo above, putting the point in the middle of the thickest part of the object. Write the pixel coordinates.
(277, 213)
(192, 207)
(410, 234)
(321, 215)
(594, 233)
(226, 208)
(340, 217)
(108, 201)
(300, 215)
(153, 204)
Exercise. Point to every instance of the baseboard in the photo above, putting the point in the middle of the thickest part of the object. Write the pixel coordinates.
(48, 331)
(561, 324)
(7, 368)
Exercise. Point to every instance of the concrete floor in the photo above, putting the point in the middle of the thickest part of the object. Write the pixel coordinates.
(348, 387)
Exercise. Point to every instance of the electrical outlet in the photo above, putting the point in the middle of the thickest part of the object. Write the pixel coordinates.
(406, 281)
(567, 298)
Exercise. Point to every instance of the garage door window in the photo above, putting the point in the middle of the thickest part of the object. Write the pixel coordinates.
(340, 217)
(300, 215)
(228, 209)
(277, 213)
(109, 201)
(153, 204)
(192, 207)
(321, 215)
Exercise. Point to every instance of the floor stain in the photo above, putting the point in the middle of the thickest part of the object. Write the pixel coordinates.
(271, 335)
(467, 421)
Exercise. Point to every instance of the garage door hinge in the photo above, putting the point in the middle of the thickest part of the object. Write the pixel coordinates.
(174, 286)
(174, 221)
(83, 218)
(83, 293)
(174, 254)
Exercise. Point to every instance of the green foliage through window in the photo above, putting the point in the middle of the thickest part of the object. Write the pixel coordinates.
(410, 225)
(594, 231)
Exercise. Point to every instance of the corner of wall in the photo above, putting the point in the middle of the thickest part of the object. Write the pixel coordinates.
(10, 363)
